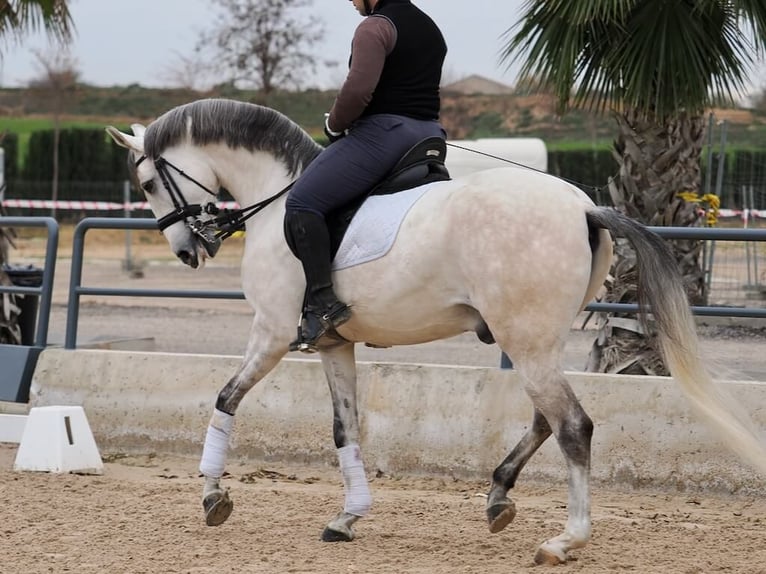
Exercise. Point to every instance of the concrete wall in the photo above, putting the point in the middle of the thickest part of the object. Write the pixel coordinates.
(415, 418)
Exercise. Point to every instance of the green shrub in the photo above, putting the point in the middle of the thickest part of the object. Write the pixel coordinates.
(10, 145)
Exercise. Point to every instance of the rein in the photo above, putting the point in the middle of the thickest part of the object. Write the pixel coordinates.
(593, 188)
(226, 221)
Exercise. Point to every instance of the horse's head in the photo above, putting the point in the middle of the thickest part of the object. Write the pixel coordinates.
(179, 193)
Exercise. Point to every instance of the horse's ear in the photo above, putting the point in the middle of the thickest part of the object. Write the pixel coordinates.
(135, 143)
(138, 129)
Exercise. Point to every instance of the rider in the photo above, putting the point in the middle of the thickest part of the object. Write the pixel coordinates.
(388, 103)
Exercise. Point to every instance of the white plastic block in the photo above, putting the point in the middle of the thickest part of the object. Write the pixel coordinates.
(58, 439)
(12, 427)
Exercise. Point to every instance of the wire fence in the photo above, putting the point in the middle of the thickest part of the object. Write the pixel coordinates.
(735, 270)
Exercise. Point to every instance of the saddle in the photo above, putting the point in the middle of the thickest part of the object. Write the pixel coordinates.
(423, 163)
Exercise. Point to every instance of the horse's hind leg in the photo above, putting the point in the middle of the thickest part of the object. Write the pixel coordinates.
(500, 509)
(553, 397)
(340, 368)
(262, 354)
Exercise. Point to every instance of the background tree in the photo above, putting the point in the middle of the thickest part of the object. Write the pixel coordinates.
(10, 332)
(657, 66)
(18, 18)
(190, 72)
(264, 43)
(759, 100)
(56, 86)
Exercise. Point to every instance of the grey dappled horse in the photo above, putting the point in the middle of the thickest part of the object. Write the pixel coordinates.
(510, 253)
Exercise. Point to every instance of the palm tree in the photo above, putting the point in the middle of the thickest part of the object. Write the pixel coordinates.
(656, 66)
(17, 18)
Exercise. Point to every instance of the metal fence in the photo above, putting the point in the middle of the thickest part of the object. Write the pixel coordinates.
(77, 290)
(45, 290)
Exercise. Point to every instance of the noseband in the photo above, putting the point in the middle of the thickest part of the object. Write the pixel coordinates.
(225, 221)
(184, 210)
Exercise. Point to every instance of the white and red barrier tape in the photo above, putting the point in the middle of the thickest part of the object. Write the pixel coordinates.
(91, 205)
(742, 213)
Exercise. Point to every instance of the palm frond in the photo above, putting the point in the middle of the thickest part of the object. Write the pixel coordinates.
(652, 55)
(19, 17)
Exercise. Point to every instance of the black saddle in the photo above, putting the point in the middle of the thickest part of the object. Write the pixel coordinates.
(423, 163)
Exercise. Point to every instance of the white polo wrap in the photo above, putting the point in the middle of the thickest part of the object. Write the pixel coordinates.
(216, 444)
(357, 491)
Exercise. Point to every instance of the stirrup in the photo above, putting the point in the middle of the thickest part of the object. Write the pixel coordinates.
(301, 343)
(303, 346)
(315, 324)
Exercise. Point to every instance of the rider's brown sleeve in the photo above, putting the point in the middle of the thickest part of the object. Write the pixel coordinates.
(373, 40)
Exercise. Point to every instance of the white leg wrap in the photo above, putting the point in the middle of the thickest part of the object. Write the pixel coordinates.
(358, 498)
(216, 444)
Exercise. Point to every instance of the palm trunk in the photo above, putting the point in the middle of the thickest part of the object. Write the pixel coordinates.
(658, 161)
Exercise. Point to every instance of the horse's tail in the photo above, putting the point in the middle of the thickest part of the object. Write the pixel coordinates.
(661, 292)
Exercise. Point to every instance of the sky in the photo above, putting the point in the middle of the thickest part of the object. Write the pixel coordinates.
(121, 42)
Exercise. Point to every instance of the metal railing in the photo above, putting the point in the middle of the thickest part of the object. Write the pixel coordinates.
(698, 233)
(76, 290)
(45, 291)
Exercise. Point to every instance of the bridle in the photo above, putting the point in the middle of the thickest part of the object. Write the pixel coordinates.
(213, 230)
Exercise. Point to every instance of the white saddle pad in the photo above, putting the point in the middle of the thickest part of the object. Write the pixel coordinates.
(374, 228)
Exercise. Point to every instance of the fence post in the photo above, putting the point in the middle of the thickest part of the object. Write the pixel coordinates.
(126, 203)
(2, 174)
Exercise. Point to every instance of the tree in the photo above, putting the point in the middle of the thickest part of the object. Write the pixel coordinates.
(657, 66)
(262, 43)
(56, 85)
(190, 73)
(10, 333)
(17, 18)
(759, 100)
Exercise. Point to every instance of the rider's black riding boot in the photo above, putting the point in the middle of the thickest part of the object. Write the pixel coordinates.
(309, 239)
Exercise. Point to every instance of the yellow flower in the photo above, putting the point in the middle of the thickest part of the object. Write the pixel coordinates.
(709, 202)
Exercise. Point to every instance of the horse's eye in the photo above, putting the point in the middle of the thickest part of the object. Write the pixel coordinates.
(148, 186)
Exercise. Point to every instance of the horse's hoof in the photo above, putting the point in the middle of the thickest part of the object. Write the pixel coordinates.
(330, 535)
(500, 515)
(548, 557)
(218, 507)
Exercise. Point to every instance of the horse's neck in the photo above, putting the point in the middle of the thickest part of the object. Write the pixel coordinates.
(250, 177)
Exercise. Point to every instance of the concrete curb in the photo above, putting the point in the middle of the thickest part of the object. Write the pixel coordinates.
(448, 420)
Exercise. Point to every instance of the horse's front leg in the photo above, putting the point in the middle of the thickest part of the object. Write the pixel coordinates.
(340, 369)
(263, 352)
(500, 509)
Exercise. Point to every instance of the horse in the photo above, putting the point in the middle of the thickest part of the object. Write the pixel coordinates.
(510, 253)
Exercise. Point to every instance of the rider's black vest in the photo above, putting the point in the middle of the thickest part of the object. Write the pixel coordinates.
(409, 83)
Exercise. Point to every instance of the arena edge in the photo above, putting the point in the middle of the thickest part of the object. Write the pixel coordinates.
(448, 420)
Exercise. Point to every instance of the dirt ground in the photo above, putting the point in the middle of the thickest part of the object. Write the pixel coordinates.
(144, 514)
